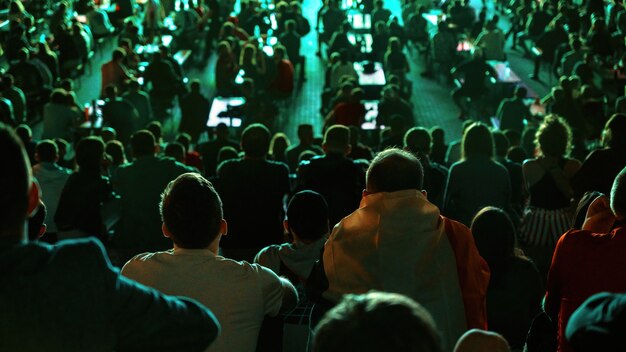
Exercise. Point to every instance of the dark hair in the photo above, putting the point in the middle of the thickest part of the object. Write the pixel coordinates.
(191, 210)
(615, 131)
(305, 132)
(255, 140)
(494, 236)
(15, 180)
(156, 129)
(618, 195)
(24, 132)
(377, 321)
(175, 150)
(438, 135)
(226, 153)
(47, 151)
(394, 170)
(417, 141)
(184, 139)
(521, 92)
(477, 141)
(118, 54)
(337, 138)
(142, 142)
(36, 221)
(89, 153)
(554, 137)
(501, 143)
(307, 214)
(516, 154)
(116, 150)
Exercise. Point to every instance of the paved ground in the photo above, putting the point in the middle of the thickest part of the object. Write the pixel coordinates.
(432, 102)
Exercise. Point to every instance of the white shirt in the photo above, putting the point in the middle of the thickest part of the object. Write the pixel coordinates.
(240, 294)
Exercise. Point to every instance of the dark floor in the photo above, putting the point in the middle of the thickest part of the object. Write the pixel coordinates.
(431, 99)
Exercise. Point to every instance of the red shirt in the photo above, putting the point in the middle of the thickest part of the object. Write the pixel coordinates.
(584, 264)
(283, 83)
(349, 114)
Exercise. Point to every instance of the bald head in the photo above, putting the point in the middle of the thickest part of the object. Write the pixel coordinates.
(480, 341)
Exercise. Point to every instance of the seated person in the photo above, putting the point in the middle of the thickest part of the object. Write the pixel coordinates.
(240, 293)
(123, 315)
(377, 321)
(473, 87)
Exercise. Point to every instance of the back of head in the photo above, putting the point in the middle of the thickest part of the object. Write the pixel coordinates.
(115, 149)
(221, 130)
(377, 321)
(47, 151)
(176, 151)
(394, 170)
(479, 341)
(191, 210)
(143, 143)
(305, 133)
(521, 92)
(615, 132)
(337, 139)
(307, 215)
(494, 236)
(554, 137)
(24, 132)
(255, 140)
(618, 195)
(156, 129)
(438, 135)
(194, 86)
(89, 153)
(477, 142)
(184, 139)
(16, 180)
(598, 324)
(417, 140)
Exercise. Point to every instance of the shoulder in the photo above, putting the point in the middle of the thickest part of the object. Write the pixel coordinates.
(90, 251)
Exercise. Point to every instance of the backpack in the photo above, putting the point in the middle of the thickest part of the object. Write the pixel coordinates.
(303, 26)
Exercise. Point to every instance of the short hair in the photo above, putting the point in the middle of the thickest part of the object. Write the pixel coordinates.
(195, 86)
(417, 140)
(618, 195)
(24, 132)
(305, 131)
(307, 214)
(480, 340)
(89, 153)
(394, 170)
(521, 92)
(377, 321)
(47, 151)
(337, 138)
(184, 139)
(477, 141)
(191, 210)
(554, 137)
(15, 180)
(142, 142)
(227, 153)
(615, 132)
(175, 150)
(116, 150)
(255, 140)
(156, 129)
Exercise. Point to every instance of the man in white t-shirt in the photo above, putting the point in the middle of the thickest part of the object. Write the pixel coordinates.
(240, 294)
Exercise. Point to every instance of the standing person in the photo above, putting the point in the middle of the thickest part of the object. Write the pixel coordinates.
(305, 142)
(139, 184)
(601, 166)
(140, 101)
(398, 242)
(547, 178)
(119, 114)
(210, 150)
(194, 111)
(292, 42)
(240, 293)
(516, 287)
(477, 180)
(79, 211)
(588, 261)
(339, 179)
(225, 70)
(114, 72)
(253, 189)
(127, 316)
(52, 179)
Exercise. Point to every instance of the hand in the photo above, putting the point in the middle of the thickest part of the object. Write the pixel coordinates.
(600, 217)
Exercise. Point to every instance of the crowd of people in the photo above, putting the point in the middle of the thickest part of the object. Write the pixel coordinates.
(507, 239)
